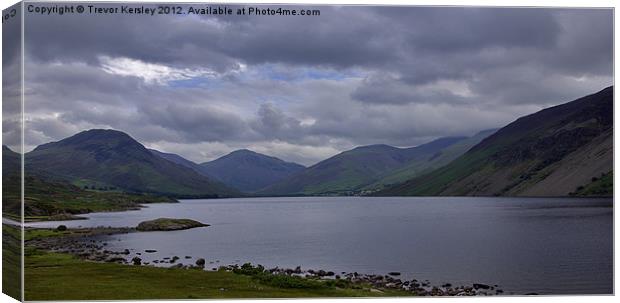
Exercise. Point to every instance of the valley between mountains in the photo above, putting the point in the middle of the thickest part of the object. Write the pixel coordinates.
(566, 150)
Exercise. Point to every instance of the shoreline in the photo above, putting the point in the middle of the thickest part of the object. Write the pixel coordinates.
(81, 243)
(179, 262)
(77, 216)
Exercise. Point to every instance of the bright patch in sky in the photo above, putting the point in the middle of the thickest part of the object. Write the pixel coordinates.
(151, 73)
(458, 88)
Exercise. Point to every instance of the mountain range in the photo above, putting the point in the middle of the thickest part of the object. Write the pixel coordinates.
(372, 167)
(243, 169)
(110, 158)
(559, 151)
(250, 171)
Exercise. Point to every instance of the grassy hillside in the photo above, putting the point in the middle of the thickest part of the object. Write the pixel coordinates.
(109, 158)
(351, 171)
(550, 153)
(48, 198)
(249, 171)
(11, 191)
(11, 164)
(426, 164)
(599, 186)
(178, 160)
(45, 200)
(11, 261)
(343, 172)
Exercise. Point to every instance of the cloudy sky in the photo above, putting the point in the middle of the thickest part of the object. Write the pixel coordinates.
(306, 88)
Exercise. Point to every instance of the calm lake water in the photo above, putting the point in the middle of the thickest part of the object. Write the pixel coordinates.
(542, 245)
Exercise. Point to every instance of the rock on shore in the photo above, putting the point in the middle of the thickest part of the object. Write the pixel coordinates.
(165, 224)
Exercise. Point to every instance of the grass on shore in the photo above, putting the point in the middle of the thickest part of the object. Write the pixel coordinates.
(56, 200)
(53, 276)
(11, 261)
(31, 234)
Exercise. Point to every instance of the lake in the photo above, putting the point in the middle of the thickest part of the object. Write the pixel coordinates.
(541, 245)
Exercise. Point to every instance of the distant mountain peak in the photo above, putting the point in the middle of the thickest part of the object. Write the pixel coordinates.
(97, 137)
(102, 131)
(248, 170)
(375, 147)
(115, 158)
(97, 133)
(370, 167)
(244, 151)
(250, 154)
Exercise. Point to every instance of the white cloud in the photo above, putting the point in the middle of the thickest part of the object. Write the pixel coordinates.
(150, 73)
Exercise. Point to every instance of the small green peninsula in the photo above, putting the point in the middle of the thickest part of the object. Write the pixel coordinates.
(167, 224)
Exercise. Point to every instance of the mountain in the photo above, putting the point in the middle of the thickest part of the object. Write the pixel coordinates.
(10, 162)
(559, 151)
(249, 171)
(178, 160)
(110, 158)
(11, 179)
(428, 161)
(367, 167)
(243, 170)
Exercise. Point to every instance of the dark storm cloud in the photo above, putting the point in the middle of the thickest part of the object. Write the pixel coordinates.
(463, 29)
(309, 86)
(388, 38)
(217, 42)
(274, 124)
(205, 124)
(390, 90)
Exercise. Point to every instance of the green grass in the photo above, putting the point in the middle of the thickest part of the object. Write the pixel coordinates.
(46, 199)
(286, 281)
(428, 164)
(602, 187)
(435, 182)
(11, 261)
(12, 216)
(38, 233)
(113, 159)
(53, 276)
(168, 224)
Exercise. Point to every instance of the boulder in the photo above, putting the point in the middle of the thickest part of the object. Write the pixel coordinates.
(480, 286)
(200, 262)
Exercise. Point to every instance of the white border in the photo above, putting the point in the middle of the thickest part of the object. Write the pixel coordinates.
(521, 3)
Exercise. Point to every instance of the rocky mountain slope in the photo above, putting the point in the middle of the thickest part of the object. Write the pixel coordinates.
(558, 151)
